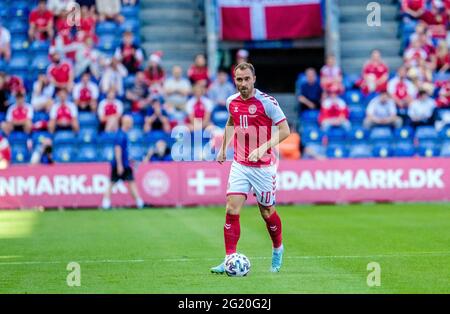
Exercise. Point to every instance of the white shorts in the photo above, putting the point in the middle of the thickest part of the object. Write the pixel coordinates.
(262, 180)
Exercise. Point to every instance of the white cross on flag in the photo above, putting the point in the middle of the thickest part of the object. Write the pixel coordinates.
(270, 19)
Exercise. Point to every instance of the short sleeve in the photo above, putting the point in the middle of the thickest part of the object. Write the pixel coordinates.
(274, 111)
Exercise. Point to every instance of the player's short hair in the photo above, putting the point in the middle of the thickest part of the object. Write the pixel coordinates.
(245, 66)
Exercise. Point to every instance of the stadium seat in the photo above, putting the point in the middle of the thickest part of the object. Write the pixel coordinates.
(136, 135)
(428, 150)
(40, 116)
(405, 133)
(353, 97)
(404, 149)
(40, 47)
(310, 117)
(19, 63)
(316, 149)
(130, 25)
(18, 26)
(336, 135)
(358, 134)
(105, 152)
(87, 153)
(219, 116)
(64, 137)
(64, 153)
(312, 135)
(40, 63)
(357, 115)
(2, 116)
(381, 134)
(138, 119)
(37, 137)
(382, 150)
(426, 133)
(107, 42)
(360, 151)
(445, 150)
(87, 135)
(444, 134)
(20, 10)
(130, 12)
(136, 152)
(87, 120)
(152, 137)
(16, 137)
(337, 151)
(20, 154)
(107, 138)
(19, 43)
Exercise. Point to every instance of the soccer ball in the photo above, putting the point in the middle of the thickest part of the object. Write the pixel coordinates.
(237, 265)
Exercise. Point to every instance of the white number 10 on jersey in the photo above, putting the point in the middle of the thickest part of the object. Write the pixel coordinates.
(243, 119)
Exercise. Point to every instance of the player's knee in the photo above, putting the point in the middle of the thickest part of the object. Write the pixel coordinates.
(265, 211)
(232, 208)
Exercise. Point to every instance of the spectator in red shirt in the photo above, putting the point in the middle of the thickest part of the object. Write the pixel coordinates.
(199, 109)
(331, 76)
(442, 57)
(443, 99)
(41, 22)
(436, 19)
(375, 74)
(60, 72)
(129, 53)
(85, 94)
(414, 8)
(154, 73)
(64, 114)
(110, 111)
(19, 116)
(5, 152)
(198, 72)
(88, 21)
(334, 112)
(402, 91)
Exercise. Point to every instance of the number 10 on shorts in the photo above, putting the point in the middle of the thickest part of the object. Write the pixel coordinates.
(265, 197)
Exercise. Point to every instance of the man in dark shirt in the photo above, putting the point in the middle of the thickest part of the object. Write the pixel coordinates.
(310, 92)
(121, 168)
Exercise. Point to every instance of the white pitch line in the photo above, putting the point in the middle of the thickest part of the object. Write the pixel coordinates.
(415, 254)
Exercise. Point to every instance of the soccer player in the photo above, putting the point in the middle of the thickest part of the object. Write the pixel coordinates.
(252, 113)
(121, 168)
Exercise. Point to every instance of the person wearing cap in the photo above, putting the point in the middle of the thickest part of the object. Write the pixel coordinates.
(5, 43)
(64, 114)
(154, 73)
(129, 53)
(334, 111)
(41, 22)
(156, 118)
(422, 111)
(19, 116)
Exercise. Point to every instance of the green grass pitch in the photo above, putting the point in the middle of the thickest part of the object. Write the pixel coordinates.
(171, 250)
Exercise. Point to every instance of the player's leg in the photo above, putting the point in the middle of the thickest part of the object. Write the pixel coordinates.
(106, 202)
(263, 181)
(128, 177)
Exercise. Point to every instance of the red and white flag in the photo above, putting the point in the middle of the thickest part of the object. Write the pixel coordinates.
(269, 19)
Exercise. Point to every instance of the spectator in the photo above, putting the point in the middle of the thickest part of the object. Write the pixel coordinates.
(442, 57)
(375, 74)
(154, 73)
(5, 152)
(64, 114)
(161, 152)
(413, 8)
(241, 56)
(221, 89)
(60, 72)
(138, 94)
(331, 76)
(156, 117)
(113, 76)
(422, 110)
(59, 7)
(443, 99)
(88, 58)
(43, 153)
(19, 116)
(110, 111)
(414, 53)
(177, 89)
(199, 109)
(41, 22)
(402, 91)
(4, 93)
(86, 93)
(422, 77)
(109, 10)
(129, 53)
(43, 91)
(5, 43)
(334, 112)
(382, 111)
(88, 21)
(129, 2)
(310, 92)
(436, 20)
(198, 72)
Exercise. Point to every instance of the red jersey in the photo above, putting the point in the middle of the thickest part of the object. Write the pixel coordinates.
(414, 5)
(333, 108)
(64, 112)
(5, 150)
(41, 20)
(253, 120)
(196, 74)
(378, 69)
(60, 72)
(18, 113)
(199, 106)
(108, 108)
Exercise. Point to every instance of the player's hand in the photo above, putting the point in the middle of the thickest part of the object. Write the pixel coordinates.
(120, 170)
(221, 157)
(256, 155)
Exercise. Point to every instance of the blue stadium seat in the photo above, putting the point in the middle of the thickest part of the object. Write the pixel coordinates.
(18, 26)
(130, 12)
(312, 135)
(358, 134)
(64, 153)
(20, 10)
(16, 137)
(40, 116)
(138, 119)
(87, 135)
(136, 152)
(357, 115)
(2, 116)
(40, 47)
(87, 120)
(349, 80)
(64, 137)
(381, 134)
(107, 138)
(310, 117)
(19, 63)
(40, 63)
(336, 135)
(313, 148)
(105, 152)
(152, 137)
(20, 154)
(337, 151)
(405, 133)
(37, 137)
(219, 116)
(425, 133)
(360, 151)
(104, 28)
(87, 153)
(382, 150)
(353, 97)
(130, 25)
(445, 150)
(444, 134)
(19, 43)
(429, 150)
(136, 135)
(107, 42)
(404, 149)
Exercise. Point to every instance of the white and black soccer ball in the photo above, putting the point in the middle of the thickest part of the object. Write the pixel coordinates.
(237, 265)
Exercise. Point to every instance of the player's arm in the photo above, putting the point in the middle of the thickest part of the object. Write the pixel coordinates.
(227, 137)
(118, 156)
(277, 137)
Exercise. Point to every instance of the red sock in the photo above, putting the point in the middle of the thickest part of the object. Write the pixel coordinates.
(273, 224)
(231, 233)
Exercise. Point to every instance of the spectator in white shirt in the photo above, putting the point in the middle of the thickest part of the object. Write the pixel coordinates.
(177, 89)
(422, 110)
(221, 89)
(382, 111)
(85, 94)
(109, 10)
(43, 91)
(5, 43)
(113, 76)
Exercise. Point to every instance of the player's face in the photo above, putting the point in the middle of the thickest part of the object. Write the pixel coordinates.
(245, 82)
